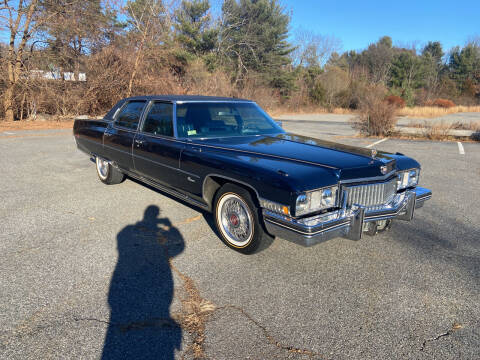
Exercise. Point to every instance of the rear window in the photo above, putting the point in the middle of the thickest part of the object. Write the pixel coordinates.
(159, 120)
(130, 114)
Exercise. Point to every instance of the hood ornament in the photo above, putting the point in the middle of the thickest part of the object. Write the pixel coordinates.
(374, 153)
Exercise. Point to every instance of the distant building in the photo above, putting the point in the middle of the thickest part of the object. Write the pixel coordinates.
(57, 75)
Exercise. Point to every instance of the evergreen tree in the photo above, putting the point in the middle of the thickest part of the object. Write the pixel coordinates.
(253, 37)
(433, 66)
(194, 29)
(406, 73)
(434, 50)
(464, 66)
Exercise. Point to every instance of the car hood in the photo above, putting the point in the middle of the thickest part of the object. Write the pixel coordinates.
(346, 161)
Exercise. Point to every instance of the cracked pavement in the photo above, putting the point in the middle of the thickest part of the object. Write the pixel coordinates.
(86, 274)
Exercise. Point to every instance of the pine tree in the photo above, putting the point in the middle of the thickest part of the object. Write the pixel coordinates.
(194, 29)
(253, 37)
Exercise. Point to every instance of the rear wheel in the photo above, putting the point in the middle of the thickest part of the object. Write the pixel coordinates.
(238, 220)
(107, 173)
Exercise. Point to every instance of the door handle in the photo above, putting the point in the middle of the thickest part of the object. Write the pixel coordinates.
(197, 149)
(139, 142)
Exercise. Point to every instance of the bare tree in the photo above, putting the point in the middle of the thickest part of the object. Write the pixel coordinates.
(18, 18)
(333, 80)
(150, 24)
(314, 49)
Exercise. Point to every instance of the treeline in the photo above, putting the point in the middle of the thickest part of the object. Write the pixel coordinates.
(244, 49)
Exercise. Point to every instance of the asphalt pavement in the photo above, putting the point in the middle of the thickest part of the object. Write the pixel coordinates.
(93, 271)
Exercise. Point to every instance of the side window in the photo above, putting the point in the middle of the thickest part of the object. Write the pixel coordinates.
(159, 120)
(130, 114)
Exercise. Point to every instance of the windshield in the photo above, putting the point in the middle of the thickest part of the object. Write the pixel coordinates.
(209, 120)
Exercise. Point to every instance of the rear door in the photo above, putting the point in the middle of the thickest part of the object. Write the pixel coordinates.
(156, 152)
(119, 136)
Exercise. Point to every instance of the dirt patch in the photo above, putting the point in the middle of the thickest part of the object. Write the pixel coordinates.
(35, 125)
(308, 110)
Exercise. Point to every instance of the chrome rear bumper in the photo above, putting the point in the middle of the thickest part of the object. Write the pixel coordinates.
(346, 222)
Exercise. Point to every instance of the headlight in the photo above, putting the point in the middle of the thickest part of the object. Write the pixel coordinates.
(316, 200)
(406, 179)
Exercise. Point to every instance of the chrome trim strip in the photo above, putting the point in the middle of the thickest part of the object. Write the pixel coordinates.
(114, 148)
(214, 101)
(162, 137)
(144, 158)
(165, 165)
(331, 227)
(175, 130)
(170, 191)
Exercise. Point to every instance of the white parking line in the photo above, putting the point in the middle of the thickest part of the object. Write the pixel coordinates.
(461, 150)
(8, 133)
(376, 143)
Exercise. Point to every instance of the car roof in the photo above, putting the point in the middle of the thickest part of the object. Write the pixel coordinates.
(187, 98)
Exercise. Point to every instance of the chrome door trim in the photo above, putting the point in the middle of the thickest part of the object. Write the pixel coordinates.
(171, 191)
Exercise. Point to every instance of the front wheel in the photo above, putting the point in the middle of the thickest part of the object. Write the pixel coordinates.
(237, 220)
(107, 173)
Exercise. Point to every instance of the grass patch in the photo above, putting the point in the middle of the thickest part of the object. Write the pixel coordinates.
(458, 125)
(434, 111)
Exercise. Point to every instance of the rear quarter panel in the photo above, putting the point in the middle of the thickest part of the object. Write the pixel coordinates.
(89, 135)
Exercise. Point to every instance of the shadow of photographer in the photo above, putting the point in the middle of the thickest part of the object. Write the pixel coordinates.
(141, 291)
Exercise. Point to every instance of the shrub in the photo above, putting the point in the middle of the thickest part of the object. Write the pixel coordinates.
(443, 103)
(376, 117)
(396, 101)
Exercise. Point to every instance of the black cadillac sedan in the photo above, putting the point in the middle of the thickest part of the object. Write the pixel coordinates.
(228, 156)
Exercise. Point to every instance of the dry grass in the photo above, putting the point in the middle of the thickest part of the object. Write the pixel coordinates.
(441, 131)
(433, 111)
(437, 131)
(472, 125)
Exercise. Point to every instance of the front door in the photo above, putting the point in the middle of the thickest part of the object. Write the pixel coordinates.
(156, 152)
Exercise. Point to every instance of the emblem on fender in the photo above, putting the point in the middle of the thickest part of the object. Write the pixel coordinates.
(383, 169)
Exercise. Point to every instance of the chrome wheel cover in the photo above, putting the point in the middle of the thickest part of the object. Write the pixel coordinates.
(235, 220)
(102, 168)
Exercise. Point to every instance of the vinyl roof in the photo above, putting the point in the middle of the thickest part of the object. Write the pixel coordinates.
(186, 98)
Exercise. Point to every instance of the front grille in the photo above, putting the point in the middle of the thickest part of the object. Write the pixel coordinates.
(371, 194)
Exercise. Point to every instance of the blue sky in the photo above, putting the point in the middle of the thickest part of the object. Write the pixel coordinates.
(361, 22)
(357, 23)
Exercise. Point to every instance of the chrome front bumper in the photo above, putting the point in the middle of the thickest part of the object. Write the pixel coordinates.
(346, 222)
